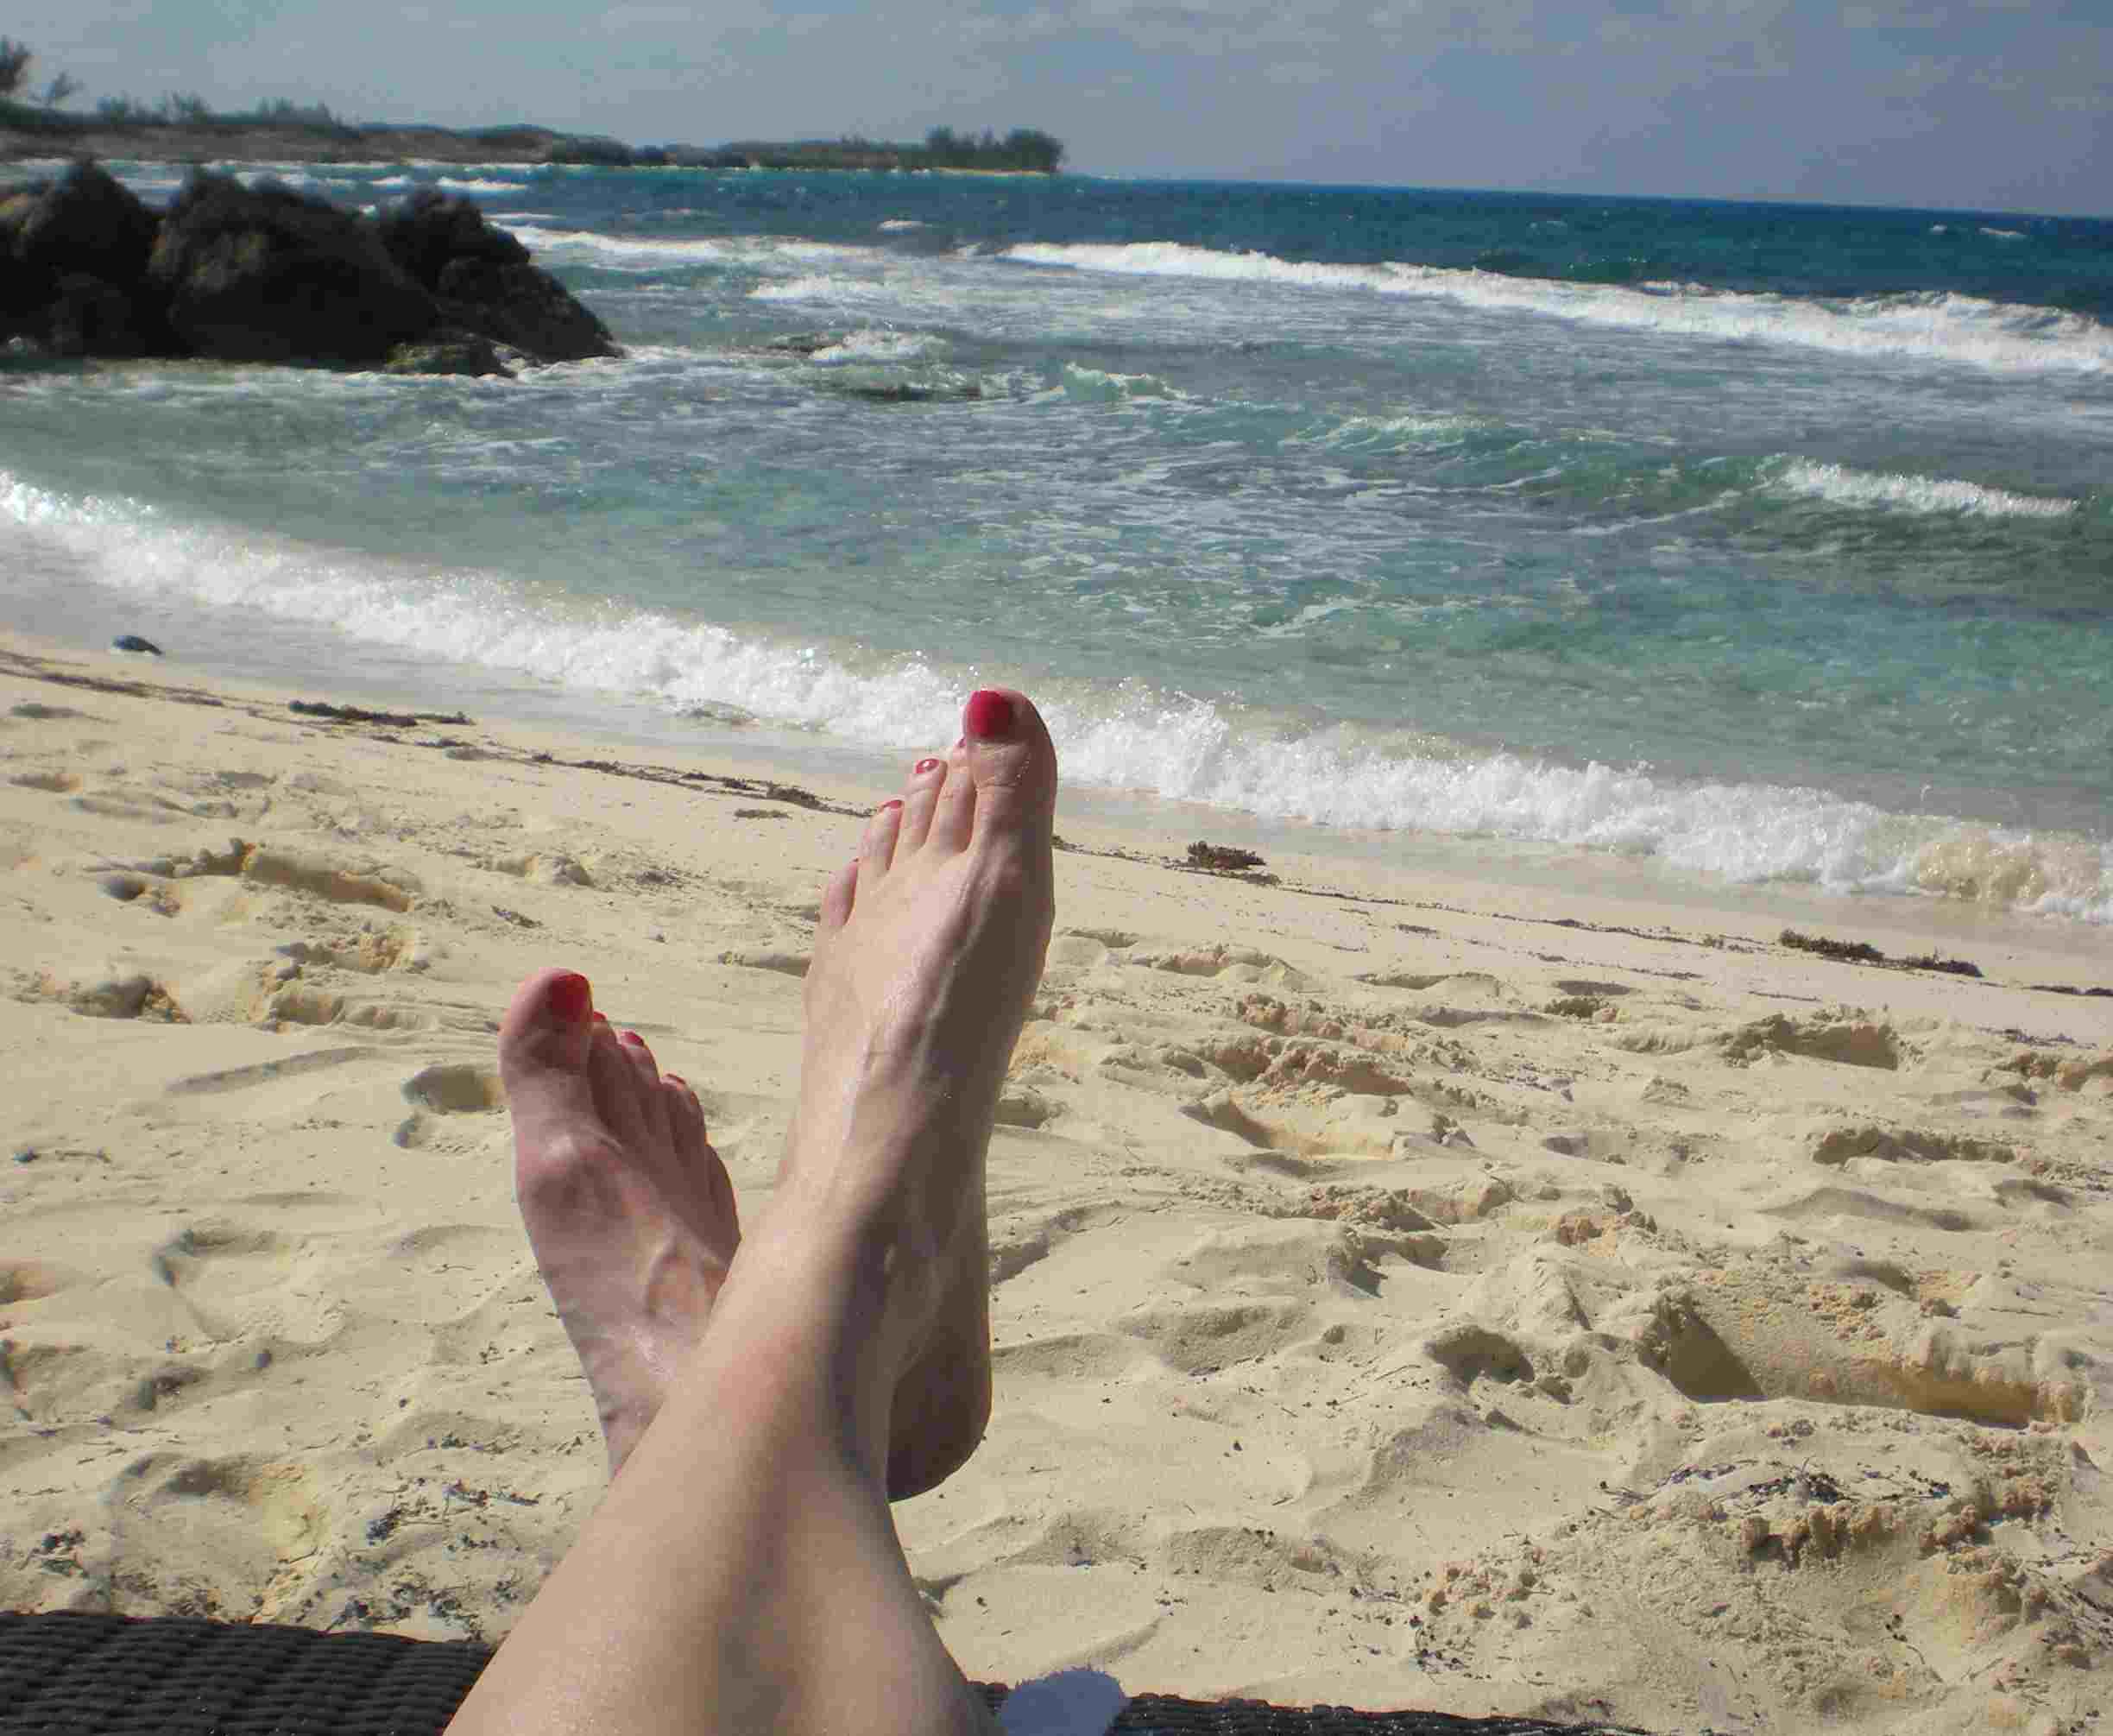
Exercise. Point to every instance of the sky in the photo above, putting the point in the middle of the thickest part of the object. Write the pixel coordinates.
(1971, 104)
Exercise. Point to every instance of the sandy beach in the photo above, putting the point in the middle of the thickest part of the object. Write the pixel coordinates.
(1408, 1289)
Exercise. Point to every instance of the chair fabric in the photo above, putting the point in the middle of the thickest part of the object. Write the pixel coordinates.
(72, 1674)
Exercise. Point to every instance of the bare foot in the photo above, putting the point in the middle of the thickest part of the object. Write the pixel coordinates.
(929, 948)
(628, 1208)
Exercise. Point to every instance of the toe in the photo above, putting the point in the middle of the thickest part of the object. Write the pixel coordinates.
(953, 817)
(653, 1097)
(685, 1116)
(839, 892)
(621, 1093)
(920, 797)
(877, 847)
(1013, 764)
(694, 1151)
(543, 1047)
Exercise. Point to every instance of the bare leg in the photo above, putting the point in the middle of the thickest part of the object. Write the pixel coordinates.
(743, 1572)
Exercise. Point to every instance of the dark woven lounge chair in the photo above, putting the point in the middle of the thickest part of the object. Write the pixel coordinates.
(72, 1675)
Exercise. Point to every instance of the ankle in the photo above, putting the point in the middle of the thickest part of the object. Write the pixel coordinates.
(835, 1312)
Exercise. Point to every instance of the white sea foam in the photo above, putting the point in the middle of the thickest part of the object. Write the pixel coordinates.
(644, 253)
(1933, 326)
(1845, 486)
(278, 175)
(875, 345)
(2003, 234)
(893, 224)
(1096, 385)
(622, 248)
(813, 287)
(1391, 433)
(1127, 737)
(1740, 831)
(478, 186)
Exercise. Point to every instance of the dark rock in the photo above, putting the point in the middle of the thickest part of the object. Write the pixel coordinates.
(523, 305)
(487, 285)
(132, 641)
(21, 293)
(429, 229)
(84, 222)
(267, 274)
(448, 352)
(88, 317)
(806, 342)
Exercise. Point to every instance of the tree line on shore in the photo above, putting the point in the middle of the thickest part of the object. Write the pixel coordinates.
(1022, 151)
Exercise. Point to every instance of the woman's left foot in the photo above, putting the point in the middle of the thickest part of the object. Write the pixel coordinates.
(628, 1207)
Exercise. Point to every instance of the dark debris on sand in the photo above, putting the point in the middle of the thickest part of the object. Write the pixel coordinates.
(1227, 860)
(1863, 952)
(355, 714)
(1222, 858)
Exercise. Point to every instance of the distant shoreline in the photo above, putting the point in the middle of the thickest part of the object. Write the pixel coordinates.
(268, 141)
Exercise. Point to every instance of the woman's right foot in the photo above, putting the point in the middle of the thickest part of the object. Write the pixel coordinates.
(929, 949)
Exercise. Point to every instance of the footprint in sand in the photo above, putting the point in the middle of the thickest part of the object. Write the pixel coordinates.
(118, 991)
(245, 1529)
(57, 783)
(390, 888)
(544, 868)
(267, 993)
(784, 964)
(447, 1087)
(1226, 962)
(1754, 1336)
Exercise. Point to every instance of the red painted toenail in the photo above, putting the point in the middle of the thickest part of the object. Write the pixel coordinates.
(676, 1079)
(891, 802)
(571, 995)
(600, 1018)
(924, 765)
(987, 715)
(632, 1036)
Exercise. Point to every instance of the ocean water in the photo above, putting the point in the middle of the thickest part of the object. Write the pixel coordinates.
(1766, 543)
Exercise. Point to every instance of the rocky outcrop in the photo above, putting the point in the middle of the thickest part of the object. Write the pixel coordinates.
(482, 281)
(73, 256)
(85, 222)
(526, 306)
(448, 352)
(266, 275)
(87, 316)
(429, 232)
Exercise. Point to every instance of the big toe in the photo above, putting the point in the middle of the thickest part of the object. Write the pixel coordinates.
(543, 1047)
(1010, 763)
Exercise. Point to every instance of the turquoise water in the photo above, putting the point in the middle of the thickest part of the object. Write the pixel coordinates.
(1772, 543)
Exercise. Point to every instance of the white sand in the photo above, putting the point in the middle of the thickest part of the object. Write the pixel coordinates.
(1442, 1294)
